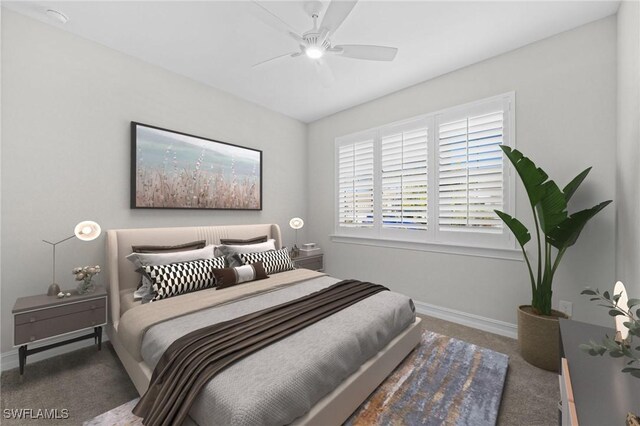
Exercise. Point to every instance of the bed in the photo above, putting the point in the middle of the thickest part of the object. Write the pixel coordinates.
(373, 342)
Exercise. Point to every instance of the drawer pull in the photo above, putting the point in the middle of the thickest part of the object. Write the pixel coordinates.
(32, 319)
(32, 338)
(92, 307)
(93, 323)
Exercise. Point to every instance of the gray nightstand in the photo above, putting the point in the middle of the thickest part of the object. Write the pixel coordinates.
(41, 317)
(315, 262)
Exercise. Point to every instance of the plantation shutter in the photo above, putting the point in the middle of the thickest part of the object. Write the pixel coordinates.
(355, 184)
(470, 174)
(404, 178)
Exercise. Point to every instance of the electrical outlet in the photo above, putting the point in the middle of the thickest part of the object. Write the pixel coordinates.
(566, 308)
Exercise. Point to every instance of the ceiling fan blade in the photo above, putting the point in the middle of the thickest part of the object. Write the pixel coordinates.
(368, 52)
(324, 72)
(274, 21)
(337, 12)
(277, 57)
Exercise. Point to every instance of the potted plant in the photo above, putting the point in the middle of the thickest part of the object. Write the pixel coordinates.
(556, 231)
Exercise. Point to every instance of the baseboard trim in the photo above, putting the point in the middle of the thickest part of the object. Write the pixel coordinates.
(470, 320)
(9, 360)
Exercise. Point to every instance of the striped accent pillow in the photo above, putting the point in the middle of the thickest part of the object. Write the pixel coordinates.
(183, 277)
(273, 260)
(228, 277)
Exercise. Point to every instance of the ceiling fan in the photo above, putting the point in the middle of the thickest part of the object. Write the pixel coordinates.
(316, 43)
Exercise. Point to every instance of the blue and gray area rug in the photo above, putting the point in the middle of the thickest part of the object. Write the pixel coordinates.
(444, 381)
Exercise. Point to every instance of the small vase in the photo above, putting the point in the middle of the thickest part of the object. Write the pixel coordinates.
(86, 286)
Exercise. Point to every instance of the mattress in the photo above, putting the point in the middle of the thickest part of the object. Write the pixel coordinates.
(284, 380)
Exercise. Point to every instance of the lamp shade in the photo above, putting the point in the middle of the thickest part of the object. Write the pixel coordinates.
(87, 230)
(296, 223)
(622, 303)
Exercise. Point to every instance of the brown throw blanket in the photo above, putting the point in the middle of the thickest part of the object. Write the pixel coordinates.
(192, 361)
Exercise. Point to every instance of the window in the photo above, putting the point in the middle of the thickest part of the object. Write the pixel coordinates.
(355, 184)
(436, 178)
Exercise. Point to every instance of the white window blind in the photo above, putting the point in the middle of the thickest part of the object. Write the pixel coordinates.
(434, 179)
(470, 173)
(404, 179)
(355, 184)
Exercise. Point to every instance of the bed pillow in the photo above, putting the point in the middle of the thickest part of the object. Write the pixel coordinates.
(230, 250)
(145, 291)
(227, 277)
(274, 260)
(255, 240)
(183, 277)
(140, 260)
(194, 245)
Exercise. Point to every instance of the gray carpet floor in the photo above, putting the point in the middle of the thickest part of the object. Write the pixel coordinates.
(87, 383)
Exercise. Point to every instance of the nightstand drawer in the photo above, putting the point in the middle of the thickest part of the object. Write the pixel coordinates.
(58, 311)
(312, 262)
(32, 331)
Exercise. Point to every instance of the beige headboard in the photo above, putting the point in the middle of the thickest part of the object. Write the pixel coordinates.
(120, 272)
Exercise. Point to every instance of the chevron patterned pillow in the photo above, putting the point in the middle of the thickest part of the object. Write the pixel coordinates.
(273, 260)
(183, 277)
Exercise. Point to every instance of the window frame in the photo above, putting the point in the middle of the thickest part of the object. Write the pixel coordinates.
(462, 241)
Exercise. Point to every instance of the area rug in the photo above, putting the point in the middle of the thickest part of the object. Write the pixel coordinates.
(444, 381)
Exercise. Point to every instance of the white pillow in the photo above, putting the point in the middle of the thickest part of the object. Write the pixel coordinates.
(140, 260)
(252, 248)
(231, 251)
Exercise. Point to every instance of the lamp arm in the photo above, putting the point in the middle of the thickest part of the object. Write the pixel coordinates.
(53, 264)
(61, 241)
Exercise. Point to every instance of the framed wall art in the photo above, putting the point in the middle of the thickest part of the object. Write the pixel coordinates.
(174, 170)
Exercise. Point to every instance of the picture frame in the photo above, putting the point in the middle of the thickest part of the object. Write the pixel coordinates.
(176, 170)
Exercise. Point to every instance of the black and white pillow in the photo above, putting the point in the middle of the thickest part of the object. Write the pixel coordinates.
(273, 260)
(184, 277)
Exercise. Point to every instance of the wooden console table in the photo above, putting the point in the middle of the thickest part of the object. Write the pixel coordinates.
(602, 394)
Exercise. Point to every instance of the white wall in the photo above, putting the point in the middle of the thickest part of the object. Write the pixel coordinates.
(628, 170)
(66, 107)
(565, 120)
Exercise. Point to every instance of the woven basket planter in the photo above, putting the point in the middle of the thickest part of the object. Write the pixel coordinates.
(539, 338)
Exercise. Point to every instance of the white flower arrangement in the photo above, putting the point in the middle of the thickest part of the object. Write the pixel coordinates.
(85, 274)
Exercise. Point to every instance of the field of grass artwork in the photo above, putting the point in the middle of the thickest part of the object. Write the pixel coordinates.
(180, 171)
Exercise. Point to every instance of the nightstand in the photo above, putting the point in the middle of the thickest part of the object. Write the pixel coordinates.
(37, 318)
(315, 262)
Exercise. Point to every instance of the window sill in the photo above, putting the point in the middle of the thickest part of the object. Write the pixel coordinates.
(490, 252)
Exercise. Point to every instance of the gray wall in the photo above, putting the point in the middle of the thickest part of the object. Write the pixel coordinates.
(66, 107)
(628, 170)
(565, 120)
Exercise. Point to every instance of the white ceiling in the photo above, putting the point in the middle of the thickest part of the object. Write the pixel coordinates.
(217, 42)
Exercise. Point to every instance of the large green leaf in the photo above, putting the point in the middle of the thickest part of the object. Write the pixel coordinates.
(532, 176)
(567, 232)
(519, 230)
(571, 187)
(552, 209)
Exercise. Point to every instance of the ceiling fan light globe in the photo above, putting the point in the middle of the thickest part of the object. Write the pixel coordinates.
(314, 52)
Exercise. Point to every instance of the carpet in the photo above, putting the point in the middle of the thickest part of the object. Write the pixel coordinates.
(444, 381)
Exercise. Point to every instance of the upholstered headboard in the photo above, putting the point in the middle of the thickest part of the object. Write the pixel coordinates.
(120, 272)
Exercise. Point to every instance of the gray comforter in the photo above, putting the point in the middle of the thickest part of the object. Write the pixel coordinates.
(284, 380)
